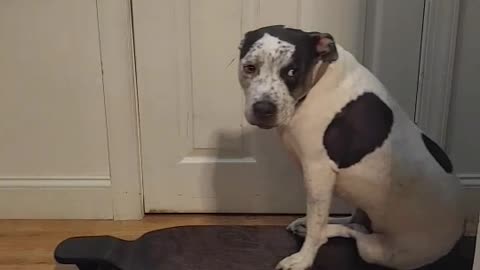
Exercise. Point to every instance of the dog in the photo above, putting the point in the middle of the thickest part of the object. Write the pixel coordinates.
(350, 138)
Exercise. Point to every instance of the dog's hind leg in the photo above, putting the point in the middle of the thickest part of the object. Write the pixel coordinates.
(361, 217)
(373, 248)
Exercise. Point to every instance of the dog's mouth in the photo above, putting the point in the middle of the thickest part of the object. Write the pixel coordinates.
(264, 126)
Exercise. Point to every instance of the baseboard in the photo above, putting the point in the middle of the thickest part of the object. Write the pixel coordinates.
(92, 199)
(55, 183)
(470, 179)
(53, 199)
(471, 185)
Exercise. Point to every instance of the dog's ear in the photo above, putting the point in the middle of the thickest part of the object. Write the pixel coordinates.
(324, 46)
(244, 37)
(241, 43)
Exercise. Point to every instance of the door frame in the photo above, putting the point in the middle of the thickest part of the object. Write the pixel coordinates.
(121, 106)
(436, 67)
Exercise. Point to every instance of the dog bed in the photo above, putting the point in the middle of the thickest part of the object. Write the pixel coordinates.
(222, 248)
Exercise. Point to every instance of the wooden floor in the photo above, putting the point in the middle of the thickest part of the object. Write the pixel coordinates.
(26, 244)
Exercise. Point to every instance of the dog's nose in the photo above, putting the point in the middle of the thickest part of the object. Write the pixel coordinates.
(264, 109)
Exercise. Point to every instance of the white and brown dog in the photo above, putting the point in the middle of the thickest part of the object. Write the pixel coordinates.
(350, 137)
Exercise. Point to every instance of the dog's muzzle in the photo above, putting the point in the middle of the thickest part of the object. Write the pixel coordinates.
(265, 113)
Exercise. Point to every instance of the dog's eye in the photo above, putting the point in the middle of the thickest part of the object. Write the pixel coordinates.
(292, 72)
(249, 69)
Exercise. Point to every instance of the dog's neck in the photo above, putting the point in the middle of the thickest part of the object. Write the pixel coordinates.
(326, 74)
(317, 73)
(324, 79)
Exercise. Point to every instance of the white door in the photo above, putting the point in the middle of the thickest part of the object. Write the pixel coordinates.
(199, 155)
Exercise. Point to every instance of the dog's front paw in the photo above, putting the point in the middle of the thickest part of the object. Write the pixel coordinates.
(298, 227)
(297, 261)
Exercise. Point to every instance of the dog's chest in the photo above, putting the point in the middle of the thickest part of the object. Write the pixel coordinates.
(304, 134)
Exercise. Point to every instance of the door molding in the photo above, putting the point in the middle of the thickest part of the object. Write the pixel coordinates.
(118, 65)
(436, 67)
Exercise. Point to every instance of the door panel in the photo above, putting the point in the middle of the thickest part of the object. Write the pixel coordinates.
(272, 12)
(213, 72)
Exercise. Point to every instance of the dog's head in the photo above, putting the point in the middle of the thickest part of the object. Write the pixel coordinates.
(275, 68)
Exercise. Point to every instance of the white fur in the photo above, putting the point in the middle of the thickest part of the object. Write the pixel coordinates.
(414, 206)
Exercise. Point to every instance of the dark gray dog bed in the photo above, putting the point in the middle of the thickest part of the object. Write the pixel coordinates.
(224, 248)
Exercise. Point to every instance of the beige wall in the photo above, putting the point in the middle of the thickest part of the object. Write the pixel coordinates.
(463, 141)
(68, 145)
(52, 115)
